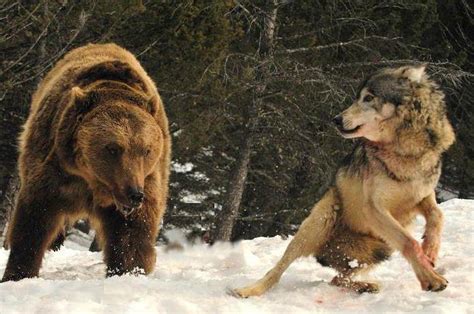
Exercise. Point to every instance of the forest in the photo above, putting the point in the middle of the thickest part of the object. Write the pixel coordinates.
(250, 89)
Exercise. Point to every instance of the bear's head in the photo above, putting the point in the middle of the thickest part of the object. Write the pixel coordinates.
(111, 138)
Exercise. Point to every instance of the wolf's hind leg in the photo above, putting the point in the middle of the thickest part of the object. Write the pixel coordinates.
(311, 236)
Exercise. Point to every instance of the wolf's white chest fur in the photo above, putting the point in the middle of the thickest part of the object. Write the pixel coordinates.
(380, 192)
(399, 198)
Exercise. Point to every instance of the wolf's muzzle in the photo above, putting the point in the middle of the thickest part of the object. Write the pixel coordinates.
(338, 121)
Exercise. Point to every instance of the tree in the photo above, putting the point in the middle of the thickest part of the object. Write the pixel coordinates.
(250, 104)
(227, 216)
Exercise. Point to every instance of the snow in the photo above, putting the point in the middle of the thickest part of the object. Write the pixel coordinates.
(192, 198)
(444, 193)
(194, 280)
(200, 176)
(181, 168)
(354, 263)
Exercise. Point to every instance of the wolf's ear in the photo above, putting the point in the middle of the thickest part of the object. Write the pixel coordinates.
(77, 103)
(415, 73)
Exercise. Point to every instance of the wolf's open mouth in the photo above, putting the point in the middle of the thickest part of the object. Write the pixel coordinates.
(350, 131)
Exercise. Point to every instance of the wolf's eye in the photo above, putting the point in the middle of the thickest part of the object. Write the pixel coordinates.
(368, 98)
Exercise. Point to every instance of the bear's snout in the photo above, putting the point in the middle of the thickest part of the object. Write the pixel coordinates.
(135, 196)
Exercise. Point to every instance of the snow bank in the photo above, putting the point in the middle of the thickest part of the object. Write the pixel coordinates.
(194, 280)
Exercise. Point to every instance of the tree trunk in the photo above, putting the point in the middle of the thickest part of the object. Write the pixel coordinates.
(13, 185)
(227, 216)
(8, 204)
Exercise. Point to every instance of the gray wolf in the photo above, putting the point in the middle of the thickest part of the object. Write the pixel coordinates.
(400, 117)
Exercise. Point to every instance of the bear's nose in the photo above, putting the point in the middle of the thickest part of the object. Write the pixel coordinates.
(135, 195)
(337, 120)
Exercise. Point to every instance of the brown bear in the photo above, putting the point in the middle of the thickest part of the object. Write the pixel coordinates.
(96, 145)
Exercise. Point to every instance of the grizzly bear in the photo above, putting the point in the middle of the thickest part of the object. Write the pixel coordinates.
(96, 145)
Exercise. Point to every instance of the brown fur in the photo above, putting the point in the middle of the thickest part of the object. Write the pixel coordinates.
(388, 179)
(95, 143)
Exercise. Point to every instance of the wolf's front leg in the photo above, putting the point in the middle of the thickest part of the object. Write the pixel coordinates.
(434, 224)
(312, 234)
(389, 229)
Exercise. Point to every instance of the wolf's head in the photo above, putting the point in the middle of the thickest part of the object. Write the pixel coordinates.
(381, 99)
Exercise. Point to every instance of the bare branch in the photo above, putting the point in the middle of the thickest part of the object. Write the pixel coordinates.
(336, 45)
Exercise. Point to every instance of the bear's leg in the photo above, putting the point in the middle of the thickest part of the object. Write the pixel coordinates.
(59, 240)
(35, 224)
(129, 242)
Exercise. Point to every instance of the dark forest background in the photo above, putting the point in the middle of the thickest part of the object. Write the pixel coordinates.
(250, 88)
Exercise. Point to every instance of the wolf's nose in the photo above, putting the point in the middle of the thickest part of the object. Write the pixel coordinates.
(337, 120)
(135, 195)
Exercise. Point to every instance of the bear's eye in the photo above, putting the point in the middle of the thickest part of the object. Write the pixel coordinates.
(113, 150)
(147, 152)
(368, 98)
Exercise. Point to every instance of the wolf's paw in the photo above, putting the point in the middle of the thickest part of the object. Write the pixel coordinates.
(432, 281)
(246, 292)
(236, 293)
(356, 286)
(365, 287)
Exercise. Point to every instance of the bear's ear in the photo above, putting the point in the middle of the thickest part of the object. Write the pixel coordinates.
(81, 102)
(153, 105)
(415, 73)
(156, 109)
(78, 93)
(78, 104)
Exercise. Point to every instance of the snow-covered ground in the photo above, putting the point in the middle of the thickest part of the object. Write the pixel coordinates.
(194, 280)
